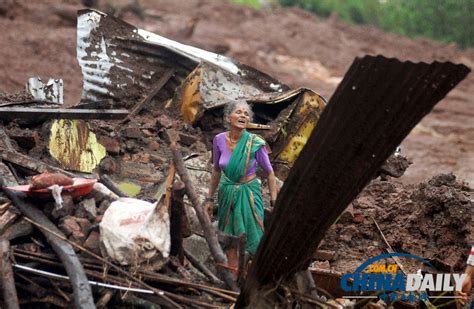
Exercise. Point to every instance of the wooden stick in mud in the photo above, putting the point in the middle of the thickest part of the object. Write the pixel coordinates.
(10, 297)
(201, 267)
(209, 232)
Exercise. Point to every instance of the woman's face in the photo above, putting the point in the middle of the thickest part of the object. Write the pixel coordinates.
(240, 117)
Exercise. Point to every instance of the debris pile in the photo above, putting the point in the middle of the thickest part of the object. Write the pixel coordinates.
(432, 219)
(149, 110)
(131, 157)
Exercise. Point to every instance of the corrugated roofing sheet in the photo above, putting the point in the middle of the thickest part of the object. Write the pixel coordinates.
(374, 108)
(122, 62)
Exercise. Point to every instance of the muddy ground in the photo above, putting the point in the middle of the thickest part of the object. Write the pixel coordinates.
(431, 219)
(300, 49)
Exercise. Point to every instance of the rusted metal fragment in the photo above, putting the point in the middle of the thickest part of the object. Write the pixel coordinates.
(374, 108)
(51, 91)
(122, 62)
(297, 112)
(209, 87)
(74, 146)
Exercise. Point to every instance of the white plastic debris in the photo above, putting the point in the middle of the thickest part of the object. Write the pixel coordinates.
(56, 192)
(133, 231)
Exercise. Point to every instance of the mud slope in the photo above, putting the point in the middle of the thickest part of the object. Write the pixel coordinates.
(290, 44)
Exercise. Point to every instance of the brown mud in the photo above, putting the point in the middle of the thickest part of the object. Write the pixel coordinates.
(432, 219)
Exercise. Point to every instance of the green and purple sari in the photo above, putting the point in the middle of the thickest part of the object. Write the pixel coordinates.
(241, 204)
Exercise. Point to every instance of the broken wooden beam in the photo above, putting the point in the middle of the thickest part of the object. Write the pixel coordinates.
(18, 229)
(109, 183)
(61, 113)
(82, 290)
(6, 174)
(374, 108)
(177, 215)
(210, 233)
(10, 297)
(31, 163)
(5, 141)
(156, 88)
(201, 267)
(101, 104)
(26, 102)
(7, 219)
(104, 299)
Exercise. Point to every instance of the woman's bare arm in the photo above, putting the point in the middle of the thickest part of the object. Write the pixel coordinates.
(215, 177)
(209, 203)
(272, 186)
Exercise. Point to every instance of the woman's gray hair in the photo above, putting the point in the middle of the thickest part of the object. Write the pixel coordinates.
(231, 106)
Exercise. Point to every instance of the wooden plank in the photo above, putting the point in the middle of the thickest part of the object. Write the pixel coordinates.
(154, 91)
(61, 113)
(102, 104)
(5, 141)
(19, 229)
(7, 176)
(32, 164)
(374, 108)
(10, 297)
(7, 219)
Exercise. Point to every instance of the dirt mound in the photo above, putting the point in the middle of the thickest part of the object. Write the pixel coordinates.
(432, 219)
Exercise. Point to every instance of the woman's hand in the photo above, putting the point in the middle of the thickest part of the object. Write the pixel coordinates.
(209, 208)
(466, 285)
(209, 202)
(272, 186)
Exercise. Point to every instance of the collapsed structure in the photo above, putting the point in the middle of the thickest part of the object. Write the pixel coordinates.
(151, 85)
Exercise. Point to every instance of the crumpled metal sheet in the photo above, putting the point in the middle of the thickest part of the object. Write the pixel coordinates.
(122, 62)
(52, 91)
(297, 124)
(209, 87)
(378, 103)
(74, 146)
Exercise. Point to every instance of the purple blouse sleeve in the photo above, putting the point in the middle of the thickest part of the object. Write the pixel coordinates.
(216, 153)
(261, 156)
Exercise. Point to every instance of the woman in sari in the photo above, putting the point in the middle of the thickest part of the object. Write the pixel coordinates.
(236, 154)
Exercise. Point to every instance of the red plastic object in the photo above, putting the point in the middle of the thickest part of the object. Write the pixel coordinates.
(80, 187)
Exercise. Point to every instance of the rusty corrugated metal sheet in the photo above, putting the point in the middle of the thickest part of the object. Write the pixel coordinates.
(374, 108)
(122, 62)
(209, 87)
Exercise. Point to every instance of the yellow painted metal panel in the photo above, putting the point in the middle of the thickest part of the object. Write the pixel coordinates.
(74, 146)
(191, 103)
(302, 122)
